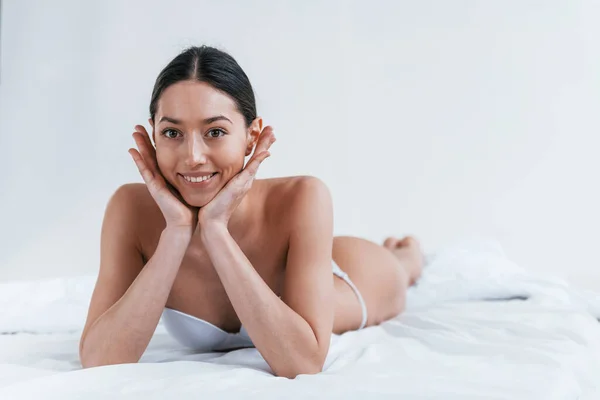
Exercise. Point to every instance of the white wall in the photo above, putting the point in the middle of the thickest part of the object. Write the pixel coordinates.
(435, 118)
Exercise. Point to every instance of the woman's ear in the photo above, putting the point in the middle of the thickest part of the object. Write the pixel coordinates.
(254, 131)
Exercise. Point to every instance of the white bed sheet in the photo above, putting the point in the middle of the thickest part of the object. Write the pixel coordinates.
(449, 344)
(475, 350)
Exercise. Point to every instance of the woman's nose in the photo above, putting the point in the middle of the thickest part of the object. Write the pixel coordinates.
(196, 151)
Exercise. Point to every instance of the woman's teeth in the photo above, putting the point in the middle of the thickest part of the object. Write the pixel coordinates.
(198, 179)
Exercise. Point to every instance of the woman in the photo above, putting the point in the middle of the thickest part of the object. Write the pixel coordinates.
(227, 260)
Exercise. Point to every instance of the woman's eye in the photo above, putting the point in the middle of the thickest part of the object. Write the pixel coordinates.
(219, 133)
(170, 133)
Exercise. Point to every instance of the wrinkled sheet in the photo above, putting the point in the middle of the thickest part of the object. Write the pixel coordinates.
(477, 326)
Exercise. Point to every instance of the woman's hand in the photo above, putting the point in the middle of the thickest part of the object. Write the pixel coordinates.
(222, 206)
(175, 211)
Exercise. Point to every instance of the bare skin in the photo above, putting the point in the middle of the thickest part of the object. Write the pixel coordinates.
(381, 272)
(234, 250)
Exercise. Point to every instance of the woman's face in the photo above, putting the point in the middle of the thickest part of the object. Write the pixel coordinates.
(199, 134)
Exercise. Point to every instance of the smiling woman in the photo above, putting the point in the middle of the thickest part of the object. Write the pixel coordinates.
(229, 260)
(184, 139)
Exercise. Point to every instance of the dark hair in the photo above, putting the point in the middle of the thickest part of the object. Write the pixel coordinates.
(213, 66)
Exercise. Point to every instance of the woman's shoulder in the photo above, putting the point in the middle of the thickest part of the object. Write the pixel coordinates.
(132, 197)
(135, 208)
(290, 187)
(285, 195)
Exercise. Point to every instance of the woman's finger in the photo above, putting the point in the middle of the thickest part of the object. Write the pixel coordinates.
(147, 156)
(266, 139)
(141, 145)
(252, 166)
(175, 192)
(145, 134)
(147, 175)
(150, 150)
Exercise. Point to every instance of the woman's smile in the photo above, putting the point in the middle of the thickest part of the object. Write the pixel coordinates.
(197, 181)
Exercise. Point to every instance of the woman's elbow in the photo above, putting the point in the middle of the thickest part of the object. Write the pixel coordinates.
(98, 360)
(307, 367)
(85, 363)
(88, 362)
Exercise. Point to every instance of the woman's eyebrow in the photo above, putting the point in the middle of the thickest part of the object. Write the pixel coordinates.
(216, 118)
(208, 120)
(169, 119)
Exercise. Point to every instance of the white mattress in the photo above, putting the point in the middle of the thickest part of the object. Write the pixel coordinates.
(449, 344)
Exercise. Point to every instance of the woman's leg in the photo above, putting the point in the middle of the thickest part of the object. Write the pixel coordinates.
(382, 274)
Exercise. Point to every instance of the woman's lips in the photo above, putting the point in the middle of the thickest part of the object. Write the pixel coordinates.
(197, 185)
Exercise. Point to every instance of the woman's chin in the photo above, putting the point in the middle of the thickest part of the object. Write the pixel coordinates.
(197, 201)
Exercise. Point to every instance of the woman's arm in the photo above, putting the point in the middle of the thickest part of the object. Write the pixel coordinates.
(127, 303)
(292, 333)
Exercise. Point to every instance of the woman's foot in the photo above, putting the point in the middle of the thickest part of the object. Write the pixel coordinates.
(407, 250)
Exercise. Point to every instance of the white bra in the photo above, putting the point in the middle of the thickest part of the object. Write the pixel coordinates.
(200, 335)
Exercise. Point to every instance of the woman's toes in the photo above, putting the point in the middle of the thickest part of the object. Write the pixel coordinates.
(408, 241)
(390, 243)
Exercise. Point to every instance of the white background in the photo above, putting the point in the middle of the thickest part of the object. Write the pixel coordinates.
(442, 119)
